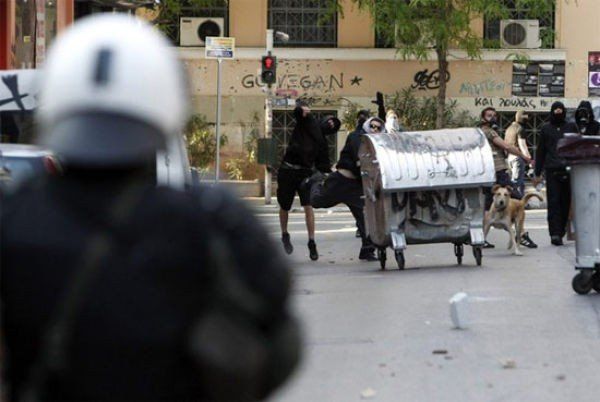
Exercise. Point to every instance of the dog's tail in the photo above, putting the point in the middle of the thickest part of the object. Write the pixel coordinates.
(529, 196)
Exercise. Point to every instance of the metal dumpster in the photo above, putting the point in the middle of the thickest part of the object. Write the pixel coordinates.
(583, 157)
(426, 187)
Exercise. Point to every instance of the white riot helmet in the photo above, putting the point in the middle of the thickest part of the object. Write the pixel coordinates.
(112, 92)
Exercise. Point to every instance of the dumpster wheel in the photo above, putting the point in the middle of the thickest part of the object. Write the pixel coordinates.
(459, 251)
(382, 257)
(478, 254)
(582, 283)
(399, 254)
(596, 281)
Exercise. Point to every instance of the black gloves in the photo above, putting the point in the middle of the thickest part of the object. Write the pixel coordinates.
(380, 105)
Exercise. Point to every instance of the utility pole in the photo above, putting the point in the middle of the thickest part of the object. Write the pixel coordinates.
(218, 125)
(268, 122)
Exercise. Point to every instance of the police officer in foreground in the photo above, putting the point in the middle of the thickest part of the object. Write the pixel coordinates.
(112, 288)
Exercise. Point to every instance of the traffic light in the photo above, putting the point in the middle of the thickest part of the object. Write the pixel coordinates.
(269, 69)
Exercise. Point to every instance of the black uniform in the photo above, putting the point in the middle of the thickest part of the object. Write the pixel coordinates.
(131, 335)
(589, 126)
(339, 189)
(558, 186)
(307, 150)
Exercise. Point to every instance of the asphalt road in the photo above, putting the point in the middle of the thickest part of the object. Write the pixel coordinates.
(387, 336)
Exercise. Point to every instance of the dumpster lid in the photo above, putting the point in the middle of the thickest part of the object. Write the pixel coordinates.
(577, 149)
(421, 160)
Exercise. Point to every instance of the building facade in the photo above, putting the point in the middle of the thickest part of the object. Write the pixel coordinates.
(333, 61)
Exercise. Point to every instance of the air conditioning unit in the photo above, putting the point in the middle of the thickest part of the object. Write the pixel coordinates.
(411, 37)
(194, 30)
(520, 34)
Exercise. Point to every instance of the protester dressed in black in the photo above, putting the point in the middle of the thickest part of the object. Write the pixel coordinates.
(344, 186)
(547, 160)
(306, 152)
(584, 119)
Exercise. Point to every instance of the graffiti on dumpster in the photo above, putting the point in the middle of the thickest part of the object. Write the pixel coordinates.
(443, 206)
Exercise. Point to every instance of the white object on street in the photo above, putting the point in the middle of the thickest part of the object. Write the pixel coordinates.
(459, 310)
(508, 364)
(368, 393)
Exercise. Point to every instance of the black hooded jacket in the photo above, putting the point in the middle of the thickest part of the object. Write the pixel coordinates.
(349, 155)
(592, 127)
(307, 145)
(546, 154)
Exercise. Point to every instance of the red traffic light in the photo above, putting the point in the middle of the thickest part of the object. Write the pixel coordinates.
(269, 67)
(268, 62)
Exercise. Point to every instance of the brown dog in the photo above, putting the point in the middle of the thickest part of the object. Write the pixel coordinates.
(508, 214)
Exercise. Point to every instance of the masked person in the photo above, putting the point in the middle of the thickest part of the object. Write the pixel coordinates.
(547, 160)
(489, 126)
(113, 288)
(361, 117)
(304, 154)
(584, 119)
(329, 126)
(344, 186)
(515, 136)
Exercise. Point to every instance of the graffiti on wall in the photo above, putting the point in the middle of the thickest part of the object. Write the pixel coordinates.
(482, 87)
(324, 101)
(513, 103)
(425, 80)
(326, 83)
(11, 82)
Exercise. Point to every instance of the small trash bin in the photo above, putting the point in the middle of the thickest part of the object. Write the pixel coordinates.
(582, 154)
(426, 187)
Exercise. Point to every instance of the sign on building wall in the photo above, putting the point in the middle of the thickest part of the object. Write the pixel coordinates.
(544, 79)
(594, 74)
(219, 47)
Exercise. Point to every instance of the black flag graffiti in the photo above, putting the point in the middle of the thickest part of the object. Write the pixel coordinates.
(12, 83)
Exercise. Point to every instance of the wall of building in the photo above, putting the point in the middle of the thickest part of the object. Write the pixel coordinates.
(332, 79)
(7, 32)
(578, 31)
(248, 22)
(355, 29)
(16, 51)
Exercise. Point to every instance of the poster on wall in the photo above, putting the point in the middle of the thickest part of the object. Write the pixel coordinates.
(594, 74)
(545, 79)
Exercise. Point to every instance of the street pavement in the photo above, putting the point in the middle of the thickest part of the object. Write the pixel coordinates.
(387, 336)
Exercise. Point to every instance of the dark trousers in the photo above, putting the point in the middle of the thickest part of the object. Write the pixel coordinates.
(517, 174)
(338, 189)
(558, 189)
